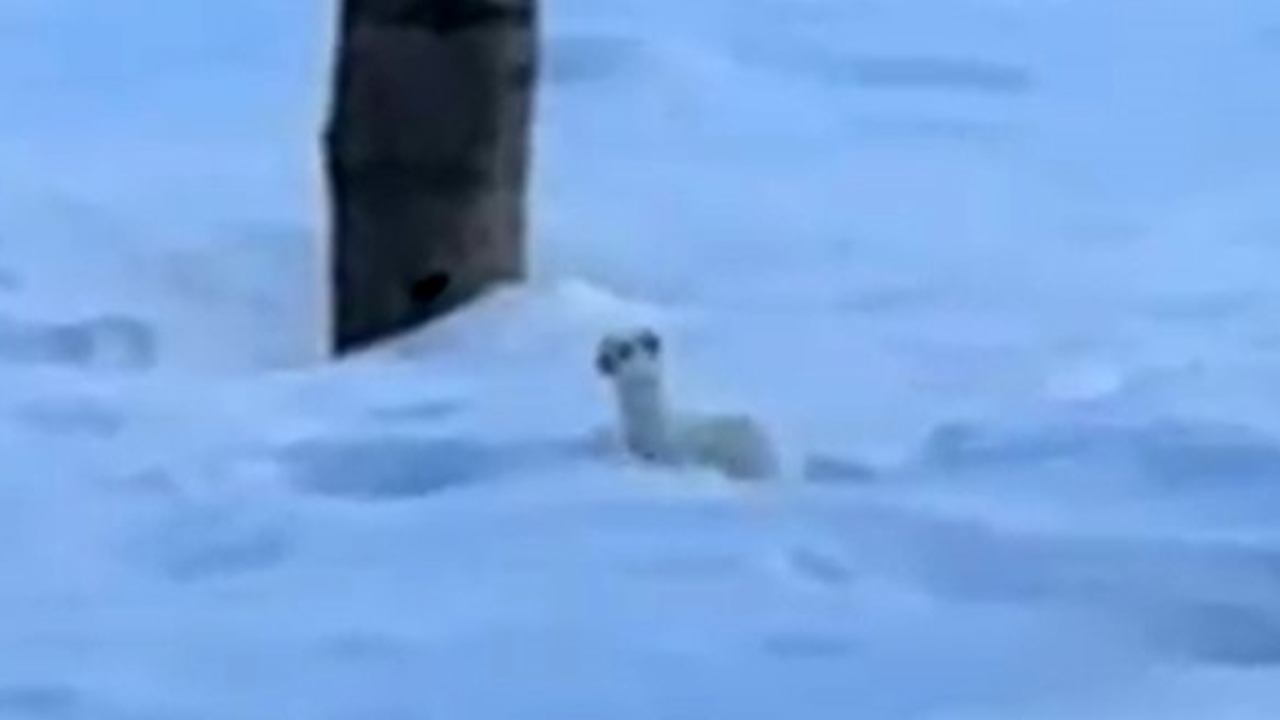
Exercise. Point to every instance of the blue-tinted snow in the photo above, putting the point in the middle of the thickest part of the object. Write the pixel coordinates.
(998, 272)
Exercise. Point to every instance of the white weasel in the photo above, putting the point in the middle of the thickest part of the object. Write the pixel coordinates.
(736, 445)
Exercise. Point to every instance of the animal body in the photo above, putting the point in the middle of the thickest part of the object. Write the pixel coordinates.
(735, 444)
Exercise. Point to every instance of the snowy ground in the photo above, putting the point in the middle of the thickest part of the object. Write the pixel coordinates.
(998, 271)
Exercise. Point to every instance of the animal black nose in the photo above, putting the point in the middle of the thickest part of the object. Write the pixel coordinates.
(624, 351)
(605, 364)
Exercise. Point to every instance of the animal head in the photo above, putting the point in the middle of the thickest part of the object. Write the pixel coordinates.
(631, 354)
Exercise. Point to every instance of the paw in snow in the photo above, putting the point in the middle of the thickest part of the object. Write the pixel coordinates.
(736, 445)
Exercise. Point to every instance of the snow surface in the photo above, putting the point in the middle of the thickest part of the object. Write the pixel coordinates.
(998, 271)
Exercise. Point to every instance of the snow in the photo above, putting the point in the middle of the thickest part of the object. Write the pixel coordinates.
(997, 272)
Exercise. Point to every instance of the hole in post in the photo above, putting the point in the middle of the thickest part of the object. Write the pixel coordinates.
(429, 289)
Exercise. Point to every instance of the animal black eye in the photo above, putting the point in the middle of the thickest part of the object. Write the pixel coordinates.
(624, 351)
(650, 343)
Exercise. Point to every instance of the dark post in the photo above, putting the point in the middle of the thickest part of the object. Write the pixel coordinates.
(428, 152)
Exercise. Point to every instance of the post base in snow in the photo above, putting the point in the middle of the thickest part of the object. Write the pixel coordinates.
(427, 159)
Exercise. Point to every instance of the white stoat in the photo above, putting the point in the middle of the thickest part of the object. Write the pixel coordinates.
(734, 444)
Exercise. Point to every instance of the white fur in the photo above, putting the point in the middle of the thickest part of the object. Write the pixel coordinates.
(736, 445)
